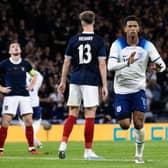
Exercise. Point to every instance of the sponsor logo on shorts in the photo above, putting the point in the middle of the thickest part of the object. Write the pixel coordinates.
(118, 109)
(6, 107)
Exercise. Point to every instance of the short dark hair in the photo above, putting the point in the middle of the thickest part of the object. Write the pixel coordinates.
(12, 42)
(87, 16)
(131, 18)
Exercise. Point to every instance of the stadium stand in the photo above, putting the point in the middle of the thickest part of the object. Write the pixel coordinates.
(43, 28)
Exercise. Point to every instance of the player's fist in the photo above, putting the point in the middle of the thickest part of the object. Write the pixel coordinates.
(61, 88)
(132, 58)
(5, 89)
(104, 94)
(157, 67)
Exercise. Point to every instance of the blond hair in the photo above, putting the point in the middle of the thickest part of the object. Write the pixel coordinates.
(87, 16)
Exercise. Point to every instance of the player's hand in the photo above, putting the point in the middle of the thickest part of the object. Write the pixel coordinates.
(104, 93)
(29, 87)
(132, 58)
(157, 67)
(61, 88)
(5, 89)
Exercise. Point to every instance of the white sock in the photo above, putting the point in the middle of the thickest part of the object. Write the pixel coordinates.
(63, 146)
(88, 150)
(21, 123)
(36, 126)
(37, 142)
(1, 149)
(139, 141)
(31, 148)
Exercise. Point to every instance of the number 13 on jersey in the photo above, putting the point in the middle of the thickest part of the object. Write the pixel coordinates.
(85, 55)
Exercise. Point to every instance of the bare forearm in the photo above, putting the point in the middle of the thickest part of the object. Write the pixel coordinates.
(103, 73)
(5, 89)
(34, 80)
(1, 88)
(65, 70)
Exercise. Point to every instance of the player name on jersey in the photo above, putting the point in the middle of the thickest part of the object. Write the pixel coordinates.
(84, 38)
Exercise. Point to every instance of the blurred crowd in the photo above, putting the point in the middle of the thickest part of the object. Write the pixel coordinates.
(43, 28)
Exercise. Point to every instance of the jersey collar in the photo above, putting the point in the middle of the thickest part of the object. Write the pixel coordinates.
(88, 32)
(15, 62)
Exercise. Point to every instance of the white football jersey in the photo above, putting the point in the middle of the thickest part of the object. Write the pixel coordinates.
(132, 78)
(34, 92)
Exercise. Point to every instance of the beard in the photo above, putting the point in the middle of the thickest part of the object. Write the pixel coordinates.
(133, 37)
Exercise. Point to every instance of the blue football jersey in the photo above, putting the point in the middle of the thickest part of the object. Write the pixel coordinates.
(14, 76)
(84, 50)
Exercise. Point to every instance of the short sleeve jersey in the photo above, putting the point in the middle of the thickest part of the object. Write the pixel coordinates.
(14, 76)
(84, 50)
(133, 78)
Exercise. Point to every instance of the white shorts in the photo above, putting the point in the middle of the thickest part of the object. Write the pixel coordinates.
(12, 103)
(89, 95)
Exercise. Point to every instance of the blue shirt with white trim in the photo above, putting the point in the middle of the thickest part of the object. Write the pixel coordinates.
(14, 76)
(84, 50)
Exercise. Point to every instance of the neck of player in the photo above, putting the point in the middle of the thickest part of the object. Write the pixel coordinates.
(15, 57)
(88, 28)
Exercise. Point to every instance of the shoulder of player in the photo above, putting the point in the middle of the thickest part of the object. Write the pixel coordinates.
(144, 43)
(25, 61)
(5, 60)
(120, 42)
(72, 39)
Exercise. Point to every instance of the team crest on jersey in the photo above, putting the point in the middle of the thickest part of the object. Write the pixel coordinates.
(118, 109)
(22, 68)
(139, 55)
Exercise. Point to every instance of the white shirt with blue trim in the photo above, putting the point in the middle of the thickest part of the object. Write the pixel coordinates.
(34, 92)
(132, 78)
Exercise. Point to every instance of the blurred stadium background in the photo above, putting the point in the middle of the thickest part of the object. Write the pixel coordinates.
(43, 28)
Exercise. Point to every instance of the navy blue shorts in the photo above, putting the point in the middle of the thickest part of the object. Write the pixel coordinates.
(36, 113)
(125, 104)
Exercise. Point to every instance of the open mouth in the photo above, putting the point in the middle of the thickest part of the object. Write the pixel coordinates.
(15, 53)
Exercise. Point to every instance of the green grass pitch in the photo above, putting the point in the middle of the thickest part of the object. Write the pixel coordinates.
(118, 154)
